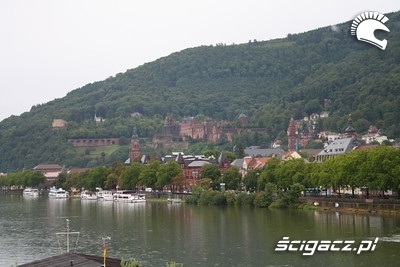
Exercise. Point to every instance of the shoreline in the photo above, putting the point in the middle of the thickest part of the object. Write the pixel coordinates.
(356, 206)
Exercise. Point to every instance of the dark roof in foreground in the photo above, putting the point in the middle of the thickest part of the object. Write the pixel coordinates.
(73, 259)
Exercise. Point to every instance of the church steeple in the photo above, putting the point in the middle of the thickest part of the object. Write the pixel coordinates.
(350, 130)
(134, 151)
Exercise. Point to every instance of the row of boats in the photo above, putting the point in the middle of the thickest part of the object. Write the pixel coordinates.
(104, 195)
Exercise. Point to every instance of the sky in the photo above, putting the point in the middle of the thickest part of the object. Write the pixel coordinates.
(51, 47)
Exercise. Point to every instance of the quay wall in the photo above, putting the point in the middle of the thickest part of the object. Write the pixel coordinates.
(372, 205)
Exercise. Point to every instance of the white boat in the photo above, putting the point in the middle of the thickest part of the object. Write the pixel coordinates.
(30, 192)
(138, 198)
(174, 200)
(121, 196)
(58, 193)
(87, 195)
(105, 195)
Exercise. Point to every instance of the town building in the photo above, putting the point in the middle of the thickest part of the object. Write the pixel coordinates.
(374, 135)
(255, 151)
(291, 155)
(58, 124)
(243, 120)
(170, 128)
(337, 147)
(345, 143)
(50, 171)
(98, 118)
(192, 165)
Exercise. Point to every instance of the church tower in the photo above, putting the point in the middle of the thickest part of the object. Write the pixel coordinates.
(134, 150)
(292, 137)
(350, 131)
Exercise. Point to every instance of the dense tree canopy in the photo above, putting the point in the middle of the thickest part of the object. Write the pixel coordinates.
(270, 81)
(375, 169)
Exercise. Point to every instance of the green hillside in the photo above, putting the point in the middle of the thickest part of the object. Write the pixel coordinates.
(270, 81)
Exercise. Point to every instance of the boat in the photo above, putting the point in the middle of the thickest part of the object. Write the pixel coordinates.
(30, 192)
(174, 200)
(105, 195)
(121, 196)
(87, 195)
(138, 198)
(58, 193)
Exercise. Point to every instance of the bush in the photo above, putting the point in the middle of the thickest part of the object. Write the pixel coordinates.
(192, 199)
(230, 198)
(206, 197)
(280, 204)
(211, 197)
(262, 200)
(245, 199)
(219, 199)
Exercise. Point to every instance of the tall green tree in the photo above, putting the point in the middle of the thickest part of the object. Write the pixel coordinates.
(130, 176)
(166, 173)
(250, 180)
(96, 177)
(148, 174)
(232, 178)
(211, 171)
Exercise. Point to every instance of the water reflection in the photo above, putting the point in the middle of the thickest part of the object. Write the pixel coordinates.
(193, 235)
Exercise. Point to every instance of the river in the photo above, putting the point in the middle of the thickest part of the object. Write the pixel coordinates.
(157, 232)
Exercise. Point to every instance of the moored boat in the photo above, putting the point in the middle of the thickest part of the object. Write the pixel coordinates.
(87, 195)
(105, 195)
(121, 196)
(138, 198)
(174, 200)
(58, 193)
(30, 192)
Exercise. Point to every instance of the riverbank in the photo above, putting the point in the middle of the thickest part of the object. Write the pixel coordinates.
(363, 206)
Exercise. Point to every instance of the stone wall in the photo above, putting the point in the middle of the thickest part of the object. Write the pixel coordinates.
(93, 142)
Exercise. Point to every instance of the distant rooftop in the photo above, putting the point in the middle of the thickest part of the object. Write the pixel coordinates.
(73, 259)
(253, 151)
(337, 147)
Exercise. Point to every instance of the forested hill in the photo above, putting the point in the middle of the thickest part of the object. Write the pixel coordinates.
(270, 81)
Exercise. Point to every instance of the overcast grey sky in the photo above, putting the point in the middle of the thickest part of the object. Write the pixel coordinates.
(49, 48)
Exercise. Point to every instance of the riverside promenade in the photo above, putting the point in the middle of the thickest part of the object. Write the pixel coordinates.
(371, 205)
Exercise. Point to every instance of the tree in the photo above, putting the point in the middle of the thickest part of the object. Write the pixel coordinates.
(290, 172)
(232, 178)
(130, 176)
(250, 180)
(204, 184)
(211, 171)
(148, 175)
(96, 177)
(239, 151)
(268, 174)
(112, 181)
(61, 179)
(179, 181)
(167, 172)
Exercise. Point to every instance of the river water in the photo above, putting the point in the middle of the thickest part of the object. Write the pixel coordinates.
(156, 233)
